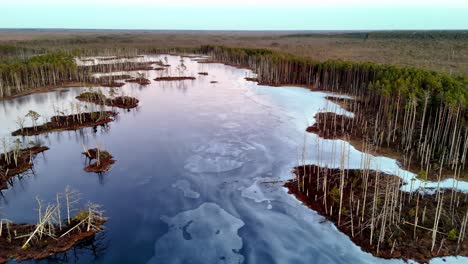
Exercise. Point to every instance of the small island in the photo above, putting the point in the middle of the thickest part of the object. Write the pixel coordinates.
(162, 64)
(16, 162)
(125, 102)
(177, 78)
(67, 122)
(103, 160)
(112, 84)
(139, 80)
(111, 80)
(56, 230)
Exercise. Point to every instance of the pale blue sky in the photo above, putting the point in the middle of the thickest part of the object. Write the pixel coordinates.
(235, 15)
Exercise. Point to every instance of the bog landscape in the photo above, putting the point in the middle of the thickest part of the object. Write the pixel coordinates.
(147, 146)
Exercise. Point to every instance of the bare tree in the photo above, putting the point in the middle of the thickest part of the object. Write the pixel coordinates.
(20, 121)
(71, 198)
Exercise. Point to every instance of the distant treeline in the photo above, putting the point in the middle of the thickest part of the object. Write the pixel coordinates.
(12, 53)
(422, 113)
(415, 35)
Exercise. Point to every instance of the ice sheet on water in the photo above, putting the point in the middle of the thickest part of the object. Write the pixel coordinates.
(259, 191)
(184, 186)
(330, 157)
(230, 125)
(224, 149)
(197, 163)
(217, 156)
(207, 234)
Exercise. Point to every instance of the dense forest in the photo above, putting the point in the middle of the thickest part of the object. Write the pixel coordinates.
(420, 113)
(40, 70)
(20, 75)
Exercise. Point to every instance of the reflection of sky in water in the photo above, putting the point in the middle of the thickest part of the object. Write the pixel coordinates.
(192, 161)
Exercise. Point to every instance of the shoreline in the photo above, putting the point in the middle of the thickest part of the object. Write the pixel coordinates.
(47, 89)
(324, 128)
(402, 240)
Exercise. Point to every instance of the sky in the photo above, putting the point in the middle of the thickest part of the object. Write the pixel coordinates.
(235, 15)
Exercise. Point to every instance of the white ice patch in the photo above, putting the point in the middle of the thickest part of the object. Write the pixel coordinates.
(199, 164)
(230, 125)
(184, 186)
(223, 149)
(217, 157)
(330, 157)
(257, 193)
(207, 234)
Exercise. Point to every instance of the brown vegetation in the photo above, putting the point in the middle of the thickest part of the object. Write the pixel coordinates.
(370, 208)
(124, 102)
(44, 249)
(119, 66)
(162, 64)
(177, 78)
(251, 79)
(119, 57)
(104, 160)
(113, 84)
(358, 131)
(235, 65)
(55, 232)
(140, 81)
(46, 89)
(330, 125)
(16, 162)
(69, 122)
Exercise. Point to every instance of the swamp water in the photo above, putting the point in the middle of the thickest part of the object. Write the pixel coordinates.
(196, 171)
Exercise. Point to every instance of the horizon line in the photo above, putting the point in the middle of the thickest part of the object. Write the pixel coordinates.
(233, 30)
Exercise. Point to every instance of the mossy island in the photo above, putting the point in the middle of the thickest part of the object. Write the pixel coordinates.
(98, 160)
(125, 102)
(68, 122)
(17, 161)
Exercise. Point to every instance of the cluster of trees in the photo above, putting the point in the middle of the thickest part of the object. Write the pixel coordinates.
(55, 223)
(55, 68)
(372, 209)
(36, 71)
(421, 113)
